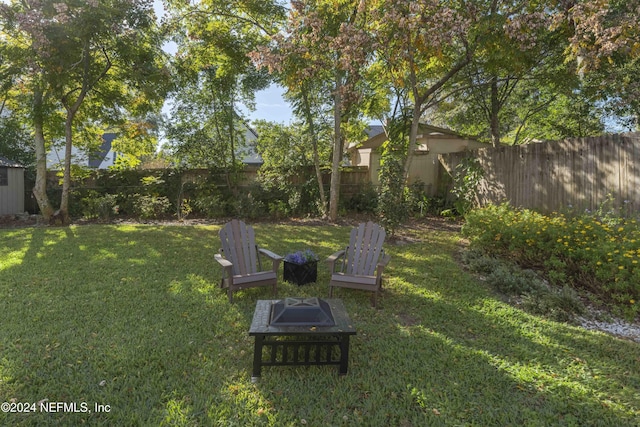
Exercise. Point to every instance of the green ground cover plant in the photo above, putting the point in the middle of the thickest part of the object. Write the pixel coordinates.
(526, 288)
(600, 255)
(131, 316)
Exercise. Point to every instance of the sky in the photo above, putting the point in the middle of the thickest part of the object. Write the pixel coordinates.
(271, 106)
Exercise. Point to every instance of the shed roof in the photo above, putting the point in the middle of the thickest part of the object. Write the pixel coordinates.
(4, 162)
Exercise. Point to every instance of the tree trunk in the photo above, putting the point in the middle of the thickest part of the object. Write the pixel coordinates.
(66, 178)
(495, 109)
(413, 137)
(40, 187)
(72, 109)
(316, 156)
(334, 189)
(419, 102)
(233, 185)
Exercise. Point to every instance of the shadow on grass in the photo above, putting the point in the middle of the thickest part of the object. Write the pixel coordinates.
(563, 374)
(132, 317)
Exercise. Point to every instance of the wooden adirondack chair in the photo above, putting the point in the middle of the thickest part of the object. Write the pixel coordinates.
(363, 261)
(240, 260)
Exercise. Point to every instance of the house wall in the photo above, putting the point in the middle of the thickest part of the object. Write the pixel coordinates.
(109, 160)
(425, 166)
(374, 168)
(362, 157)
(448, 144)
(425, 170)
(366, 157)
(12, 195)
(422, 169)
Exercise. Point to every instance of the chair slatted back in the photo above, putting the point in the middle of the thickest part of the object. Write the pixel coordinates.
(365, 248)
(239, 247)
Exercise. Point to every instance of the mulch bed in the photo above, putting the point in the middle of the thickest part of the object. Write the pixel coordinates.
(17, 221)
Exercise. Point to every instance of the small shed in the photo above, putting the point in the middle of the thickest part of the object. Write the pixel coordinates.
(426, 166)
(11, 187)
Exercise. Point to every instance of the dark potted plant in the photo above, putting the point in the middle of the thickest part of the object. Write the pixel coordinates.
(301, 267)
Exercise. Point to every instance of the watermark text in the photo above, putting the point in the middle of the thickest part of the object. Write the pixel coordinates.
(50, 407)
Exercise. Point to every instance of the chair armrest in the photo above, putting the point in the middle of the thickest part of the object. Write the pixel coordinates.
(382, 264)
(269, 254)
(333, 258)
(224, 263)
(275, 258)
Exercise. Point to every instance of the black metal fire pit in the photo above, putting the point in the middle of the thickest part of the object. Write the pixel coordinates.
(301, 312)
(300, 332)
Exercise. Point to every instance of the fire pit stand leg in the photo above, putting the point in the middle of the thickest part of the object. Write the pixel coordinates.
(344, 354)
(257, 358)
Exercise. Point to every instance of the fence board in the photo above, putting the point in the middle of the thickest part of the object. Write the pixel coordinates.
(553, 176)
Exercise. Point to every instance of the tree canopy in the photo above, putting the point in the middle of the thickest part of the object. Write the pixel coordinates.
(91, 64)
(503, 71)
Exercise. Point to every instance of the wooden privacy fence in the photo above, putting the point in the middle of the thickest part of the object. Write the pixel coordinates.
(578, 173)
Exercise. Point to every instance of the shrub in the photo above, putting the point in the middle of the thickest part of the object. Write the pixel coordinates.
(102, 207)
(365, 200)
(279, 209)
(561, 304)
(420, 204)
(536, 296)
(210, 205)
(209, 202)
(479, 262)
(184, 209)
(392, 208)
(289, 191)
(582, 252)
(250, 204)
(150, 207)
(467, 176)
(507, 281)
(309, 198)
(415, 197)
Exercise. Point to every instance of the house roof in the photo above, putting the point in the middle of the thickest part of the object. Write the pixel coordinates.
(377, 135)
(374, 130)
(4, 162)
(96, 158)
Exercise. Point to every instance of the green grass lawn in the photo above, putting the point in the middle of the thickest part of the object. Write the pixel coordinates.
(132, 317)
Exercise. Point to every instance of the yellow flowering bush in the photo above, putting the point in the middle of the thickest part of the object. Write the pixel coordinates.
(585, 252)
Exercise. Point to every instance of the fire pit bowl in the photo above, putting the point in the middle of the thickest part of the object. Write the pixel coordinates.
(301, 312)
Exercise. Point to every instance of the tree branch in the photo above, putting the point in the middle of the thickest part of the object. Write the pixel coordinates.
(444, 79)
(247, 20)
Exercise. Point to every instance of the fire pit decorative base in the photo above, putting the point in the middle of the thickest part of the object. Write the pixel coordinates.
(304, 338)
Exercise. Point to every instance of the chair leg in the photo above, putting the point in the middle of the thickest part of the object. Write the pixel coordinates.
(230, 294)
(330, 291)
